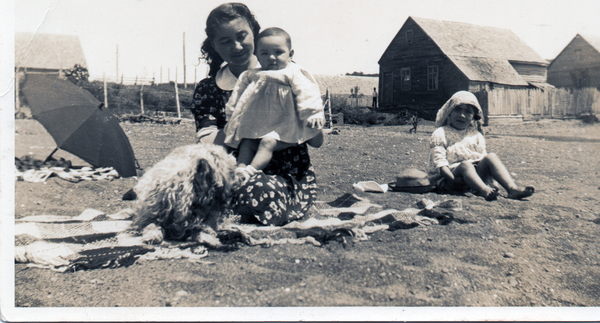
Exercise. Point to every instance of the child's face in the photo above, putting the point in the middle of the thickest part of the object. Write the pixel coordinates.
(461, 116)
(273, 53)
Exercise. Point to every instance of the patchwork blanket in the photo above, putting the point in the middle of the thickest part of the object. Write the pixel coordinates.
(97, 240)
(34, 170)
(68, 174)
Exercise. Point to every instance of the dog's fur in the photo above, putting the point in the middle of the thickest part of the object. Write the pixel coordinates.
(185, 194)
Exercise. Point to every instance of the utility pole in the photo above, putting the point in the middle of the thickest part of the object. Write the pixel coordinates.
(117, 63)
(105, 91)
(184, 80)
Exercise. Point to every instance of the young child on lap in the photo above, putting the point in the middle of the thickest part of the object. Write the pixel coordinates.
(274, 107)
(458, 157)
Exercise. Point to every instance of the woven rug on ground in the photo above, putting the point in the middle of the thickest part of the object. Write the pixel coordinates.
(68, 174)
(34, 170)
(97, 240)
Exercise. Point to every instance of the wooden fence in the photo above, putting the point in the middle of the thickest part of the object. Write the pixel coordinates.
(547, 103)
(360, 101)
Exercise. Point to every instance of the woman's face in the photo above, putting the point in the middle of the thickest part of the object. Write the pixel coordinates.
(234, 41)
(461, 116)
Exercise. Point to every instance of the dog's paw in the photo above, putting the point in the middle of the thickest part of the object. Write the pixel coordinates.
(152, 234)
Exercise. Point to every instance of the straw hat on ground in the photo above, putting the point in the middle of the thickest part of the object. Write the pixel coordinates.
(412, 180)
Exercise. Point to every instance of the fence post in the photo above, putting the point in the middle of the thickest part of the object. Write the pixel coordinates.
(177, 100)
(105, 92)
(142, 98)
(329, 108)
(17, 90)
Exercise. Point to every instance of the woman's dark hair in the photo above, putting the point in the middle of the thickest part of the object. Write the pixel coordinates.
(220, 15)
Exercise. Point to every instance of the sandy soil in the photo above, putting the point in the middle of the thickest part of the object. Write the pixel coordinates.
(540, 252)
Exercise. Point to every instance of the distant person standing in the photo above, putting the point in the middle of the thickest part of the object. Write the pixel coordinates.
(374, 98)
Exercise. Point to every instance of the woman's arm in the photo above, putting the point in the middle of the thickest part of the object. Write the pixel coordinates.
(208, 107)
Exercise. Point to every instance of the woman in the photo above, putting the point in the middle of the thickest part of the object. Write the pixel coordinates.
(286, 188)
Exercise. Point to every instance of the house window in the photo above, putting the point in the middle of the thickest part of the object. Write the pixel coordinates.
(405, 73)
(578, 56)
(409, 36)
(432, 77)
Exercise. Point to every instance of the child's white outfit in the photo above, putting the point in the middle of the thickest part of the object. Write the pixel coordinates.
(275, 104)
(450, 146)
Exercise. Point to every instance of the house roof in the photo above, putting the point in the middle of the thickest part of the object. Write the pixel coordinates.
(481, 53)
(462, 39)
(593, 40)
(48, 51)
(488, 70)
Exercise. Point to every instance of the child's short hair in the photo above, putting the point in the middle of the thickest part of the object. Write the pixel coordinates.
(275, 31)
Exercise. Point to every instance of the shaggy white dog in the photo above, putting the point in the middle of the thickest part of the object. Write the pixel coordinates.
(185, 195)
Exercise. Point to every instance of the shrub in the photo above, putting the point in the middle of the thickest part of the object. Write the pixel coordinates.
(125, 99)
(589, 118)
(78, 75)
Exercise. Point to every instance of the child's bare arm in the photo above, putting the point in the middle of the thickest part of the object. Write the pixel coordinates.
(446, 173)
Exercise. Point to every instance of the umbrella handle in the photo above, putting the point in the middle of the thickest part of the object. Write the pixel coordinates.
(50, 156)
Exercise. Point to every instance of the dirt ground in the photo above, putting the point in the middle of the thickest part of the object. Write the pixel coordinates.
(539, 252)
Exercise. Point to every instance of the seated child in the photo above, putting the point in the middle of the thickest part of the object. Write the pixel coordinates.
(274, 107)
(458, 158)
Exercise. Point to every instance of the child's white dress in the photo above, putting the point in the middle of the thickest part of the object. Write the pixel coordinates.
(275, 104)
(450, 147)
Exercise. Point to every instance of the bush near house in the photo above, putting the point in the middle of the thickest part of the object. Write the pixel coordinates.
(364, 116)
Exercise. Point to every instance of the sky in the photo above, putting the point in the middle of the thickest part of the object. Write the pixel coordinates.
(328, 36)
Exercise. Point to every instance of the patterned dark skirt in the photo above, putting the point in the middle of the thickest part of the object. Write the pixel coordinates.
(284, 191)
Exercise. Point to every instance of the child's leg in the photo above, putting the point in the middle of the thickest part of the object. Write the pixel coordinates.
(247, 150)
(316, 141)
(470, 175)
(265, 151)
(491, 165)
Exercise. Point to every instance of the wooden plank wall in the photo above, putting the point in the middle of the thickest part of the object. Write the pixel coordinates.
(549, 103)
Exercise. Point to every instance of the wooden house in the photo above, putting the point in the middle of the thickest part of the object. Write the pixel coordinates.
(429, 60)
(578, 64)
(47, 53)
